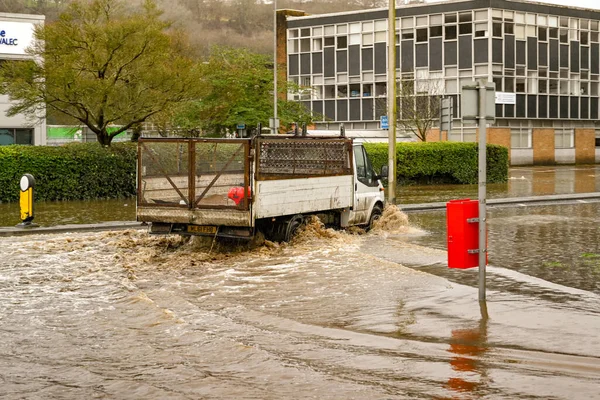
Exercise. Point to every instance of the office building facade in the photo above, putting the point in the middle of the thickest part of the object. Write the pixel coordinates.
(16, 34)
(543, 59)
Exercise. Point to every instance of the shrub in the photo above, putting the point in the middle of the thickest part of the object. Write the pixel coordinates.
(82, 171)
(76, 171)
(448, 162)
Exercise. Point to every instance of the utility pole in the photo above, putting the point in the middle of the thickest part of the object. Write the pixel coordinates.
(275, 120)
(391, 92)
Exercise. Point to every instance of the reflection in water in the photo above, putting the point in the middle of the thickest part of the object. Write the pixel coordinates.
(530, 181)
(468, 345)
(52, 213)
(558, 243)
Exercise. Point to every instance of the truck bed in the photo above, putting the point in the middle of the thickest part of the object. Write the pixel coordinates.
(299, 196)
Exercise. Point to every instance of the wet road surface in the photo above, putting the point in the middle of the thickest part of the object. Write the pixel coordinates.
(331, 316)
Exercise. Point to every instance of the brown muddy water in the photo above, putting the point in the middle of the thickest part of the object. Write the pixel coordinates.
(333, 315)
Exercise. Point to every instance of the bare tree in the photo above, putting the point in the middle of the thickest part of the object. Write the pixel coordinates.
(419, 104)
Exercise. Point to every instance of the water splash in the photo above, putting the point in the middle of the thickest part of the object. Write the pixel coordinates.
(393, 220)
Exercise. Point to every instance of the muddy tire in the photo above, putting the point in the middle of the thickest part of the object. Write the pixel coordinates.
(292, 227)
(375, 215)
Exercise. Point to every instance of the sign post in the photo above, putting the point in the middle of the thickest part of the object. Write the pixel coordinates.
(478, 101)
(446, 114)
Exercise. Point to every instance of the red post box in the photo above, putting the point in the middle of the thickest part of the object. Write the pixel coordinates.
(462, 230)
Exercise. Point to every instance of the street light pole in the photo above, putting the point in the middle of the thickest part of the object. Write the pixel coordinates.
(392, 102)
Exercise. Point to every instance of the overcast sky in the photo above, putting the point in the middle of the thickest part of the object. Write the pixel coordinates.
(595, 4)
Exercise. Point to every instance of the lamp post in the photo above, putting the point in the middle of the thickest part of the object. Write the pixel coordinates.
(392, 102)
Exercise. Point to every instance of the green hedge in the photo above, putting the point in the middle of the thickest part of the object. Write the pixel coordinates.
(81, 171)
(447, 162)
(75, 171)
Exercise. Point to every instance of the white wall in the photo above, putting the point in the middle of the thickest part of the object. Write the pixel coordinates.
(17, 36)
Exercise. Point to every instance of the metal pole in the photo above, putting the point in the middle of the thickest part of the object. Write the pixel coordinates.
(275, 66)
(441, 108)
(482, 190)
(392, 102)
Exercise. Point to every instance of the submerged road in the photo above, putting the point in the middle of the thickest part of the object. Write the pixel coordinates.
(330, 316)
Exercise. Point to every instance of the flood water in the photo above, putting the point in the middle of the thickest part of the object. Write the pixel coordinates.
(332, 315)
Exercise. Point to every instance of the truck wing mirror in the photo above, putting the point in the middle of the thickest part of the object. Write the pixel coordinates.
(384, 171)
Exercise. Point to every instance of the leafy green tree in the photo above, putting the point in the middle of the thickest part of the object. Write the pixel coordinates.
(103, 64)
(239, 90)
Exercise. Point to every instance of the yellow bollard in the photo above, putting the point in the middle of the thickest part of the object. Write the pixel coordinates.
(26, 184)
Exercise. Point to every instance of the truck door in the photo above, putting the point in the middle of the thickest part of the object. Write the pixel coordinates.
(365, 185)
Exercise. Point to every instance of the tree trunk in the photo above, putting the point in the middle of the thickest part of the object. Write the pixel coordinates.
(104, 138)
(137, 132)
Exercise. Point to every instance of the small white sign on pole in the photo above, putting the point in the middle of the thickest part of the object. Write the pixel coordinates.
(506, 98)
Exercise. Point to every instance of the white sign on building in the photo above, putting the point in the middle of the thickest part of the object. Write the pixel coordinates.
(15, 37)
(506, 98)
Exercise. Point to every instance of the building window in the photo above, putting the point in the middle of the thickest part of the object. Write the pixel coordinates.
(542, 34)
(408, 33)
(465, 29)
(317, 44)
(450, 32)
(496, 29)
(564, 138)
(520, 138)
(16, 136)
(304, 45)
(435, 31)
(380, 89)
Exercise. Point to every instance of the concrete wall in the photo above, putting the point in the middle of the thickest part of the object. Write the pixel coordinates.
(521, 157)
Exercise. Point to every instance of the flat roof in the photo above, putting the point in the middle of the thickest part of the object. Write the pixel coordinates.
(36, 17)
(446, 6)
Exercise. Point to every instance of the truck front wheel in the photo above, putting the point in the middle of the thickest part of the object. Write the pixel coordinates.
(375, 215)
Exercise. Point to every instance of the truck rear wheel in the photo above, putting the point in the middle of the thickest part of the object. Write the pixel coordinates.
(292, 226)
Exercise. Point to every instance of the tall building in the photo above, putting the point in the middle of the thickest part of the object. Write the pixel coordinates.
(543, 59)
(16, 34)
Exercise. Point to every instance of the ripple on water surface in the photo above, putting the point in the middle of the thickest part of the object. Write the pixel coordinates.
(332, 315)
